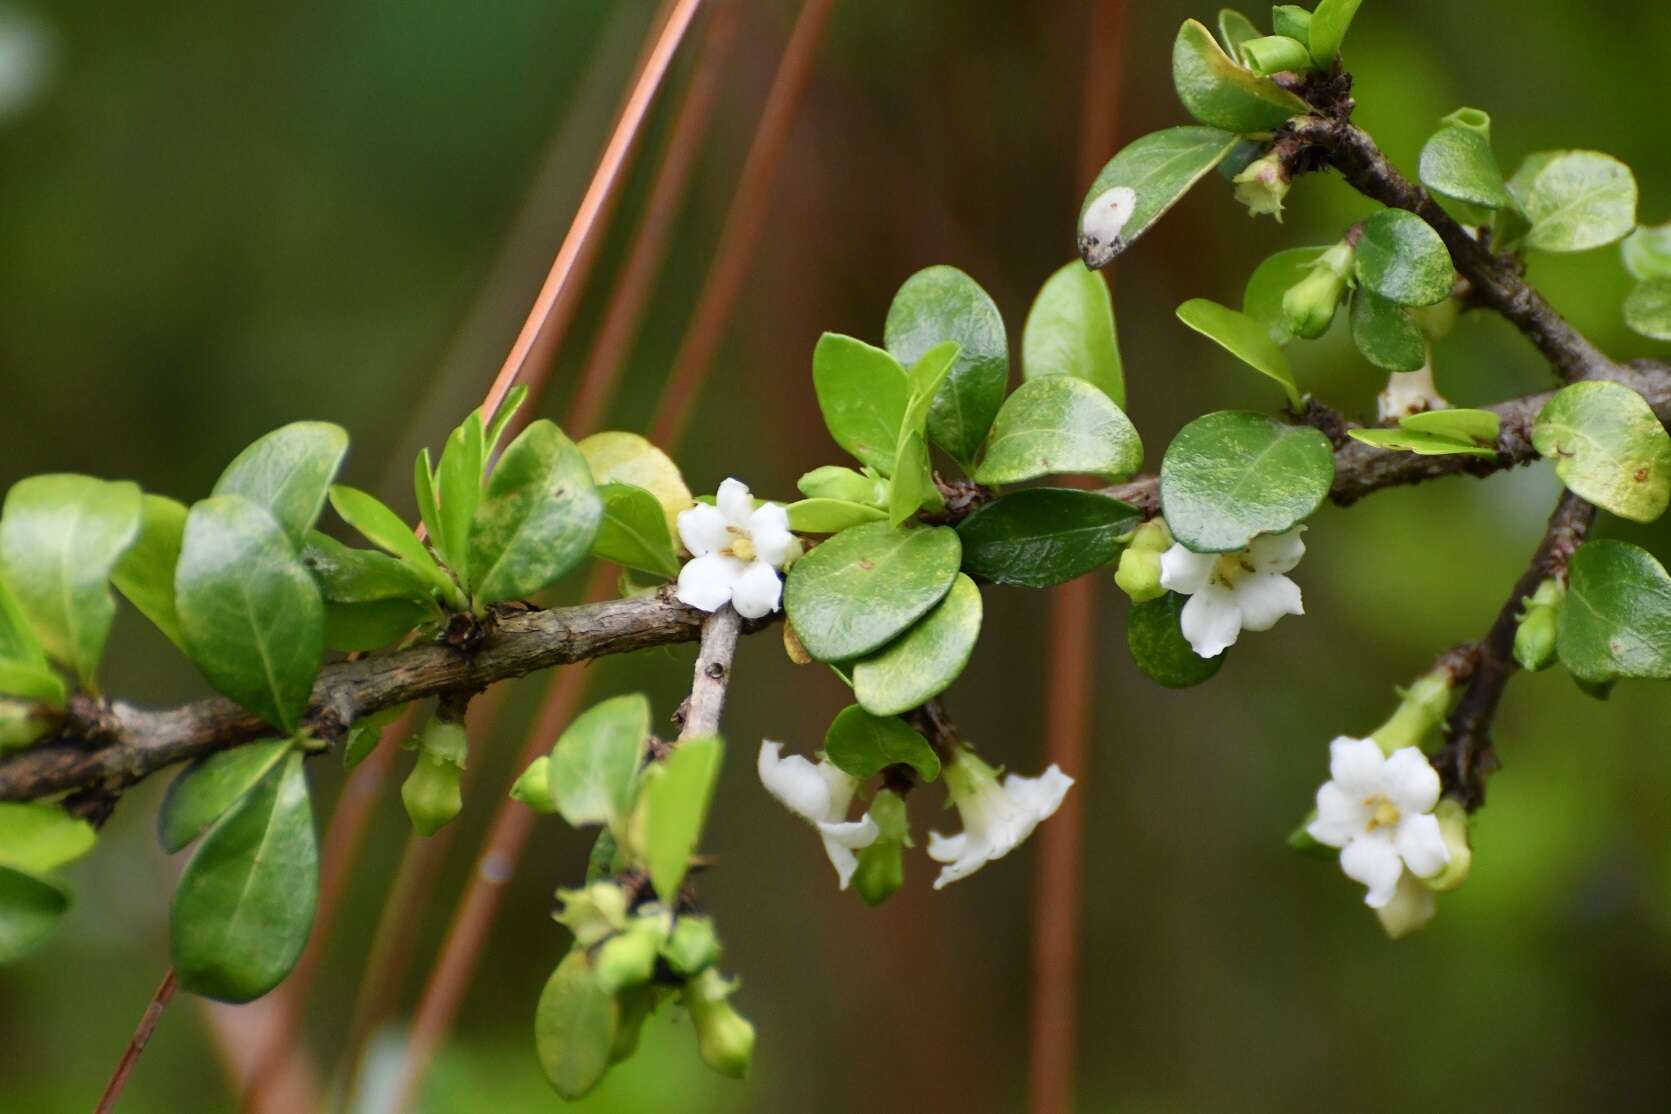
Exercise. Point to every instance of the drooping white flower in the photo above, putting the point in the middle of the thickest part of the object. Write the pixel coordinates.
(996, 818)
(1410, 392)
(737, 549)
(1232, 592)
(819, 794)
(1378, 810)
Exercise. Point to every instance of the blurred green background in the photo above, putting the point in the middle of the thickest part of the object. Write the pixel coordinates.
(219, 218)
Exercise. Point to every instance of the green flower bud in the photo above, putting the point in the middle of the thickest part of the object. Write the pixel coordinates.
(445, 741)
(723, 1036)
(1274, 54)
(628, 958)
(1152, 536)
(1421, 710)
(1262, 185)
(1139, 575)
(431, 794)
(533, 788)
(594, 913)
(835, 482)
(1534, 638)
(692, 947)
(881, 872)
(22, 722)
(1453, 827)
(1309, 305)
(636, 1004)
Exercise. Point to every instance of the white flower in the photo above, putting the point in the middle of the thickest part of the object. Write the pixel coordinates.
(1410, 392)
(1232, 592)
(1412, 906)
(1379, 811)
(819, 794)
(737, 550)
(996, 818)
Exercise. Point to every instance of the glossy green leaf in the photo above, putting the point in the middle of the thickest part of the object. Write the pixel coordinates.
(1480, 426)
(1290, 20)
(360, 627)
(594, 764)
(18, 641)
(921, 663)
(458, 481)
(1262, 299)
(671, 810)
(30, 908)
(1231, 476)
(925, 377)
(1422, 444)
(862, 392)
(939, 304)
(429, 507)
(205, 790)
(1044, 535)
(32, 681)
(1616, 621)
(348, 575)
(1222, 94)
(60, 538)
(1574, 200)
(1243, 337)
(633, 531)
(574, 1027)
(366, 733)
(537, 518)
(245, 902)
(864, 745)
(1386, 335)
(1457, 163)
(250, 613)
(1648, 309)
(913, 482)
(1647, 252)
(865, 586)
(384, 528)
(1273, 54)
(145, 573)
(287, 473)
(830, 516)
(1070, 332)
(38, 838)
(1329, 22)
(616, 457)
(1608, 447)
(1402, 259)
(1158, 646)
(1057, 426)
(1142, 182)
(1234, 29)
(514, 398)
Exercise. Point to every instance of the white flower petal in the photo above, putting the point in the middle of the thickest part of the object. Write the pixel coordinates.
(1210, 620)
(795, 782)
(1411, 907)
(708, 582)
(1421, 845)
(961, 869)
(769, 527)
(841, 785)
(1040, 796)
(1184, 571)
(1372, 860)
(756, 591)
(734, 502)
(1356, 765)
(1410, 781)
(856, 834)
(843, 859)
(1276, 552)
(1266, 597)
(1340, 816)
(703, 529)
(946, 849)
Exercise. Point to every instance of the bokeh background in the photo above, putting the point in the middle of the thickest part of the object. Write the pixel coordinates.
(217, 218)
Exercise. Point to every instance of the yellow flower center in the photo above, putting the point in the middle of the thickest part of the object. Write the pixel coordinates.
(1385, 813)
(1230, 568)
(742, 548)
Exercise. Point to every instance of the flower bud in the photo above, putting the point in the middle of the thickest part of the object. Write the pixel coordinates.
(22, 722)
(692, 947)
(636, 1004)
(1139, 575)
(1275, 53)
(723, 1036)
(1309, 305)
(533, 788)
(1453, 828)
(835, 482)
(628, 958)
(431, 794)
(593, 913)
(1534, 638)
(1262, 185)
(881, 872)
(1412, 906)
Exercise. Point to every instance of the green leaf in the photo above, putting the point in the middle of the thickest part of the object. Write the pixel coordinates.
(1232, 475)
(205, 790)
(1142, 182)
(1648, 309)
(287, 472)
(39, 838)
(633, 531)
(1329, 21)
(1608, 447)
(1056, 426)
(429, 508)
(865, 586)
(348, 575)
(366, 733)
(574, 1027)
(923, 662)
(1647, 252)
(459, 480)
(145, 573)
(537, 518)
(925, 378)
(1218, 92)
(1418, 442)
(1243, 337)
(1480, 426)
(864, 745)
(1157, 644)
(830, 516)
(1262, 300)
(29, 910)
(250, 613)
(1289, 20)
(18, 642)
(1457, 163)
(594, 764)
(862, 392)
(1273, 54)
(939, 304)
(1234, 29)
(245, 902)
(60, 537)
(1070, 332)
(1044, 535)
(1616, 621)
(831, 481)
(671, 810)
(1386, 334)
(913, 482)
(1402, 259)
(360, 627)
(1575, 200)
(626, 458)
(32, 681)
(384, 528)
(514, 398)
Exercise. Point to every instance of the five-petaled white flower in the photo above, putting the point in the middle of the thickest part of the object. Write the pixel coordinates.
(996, 818)
(1378, 810)
(737, 549)
(820, 795)
(1232, 592)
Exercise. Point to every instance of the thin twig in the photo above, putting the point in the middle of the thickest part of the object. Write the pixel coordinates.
(141, 1037)
(699, 714)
